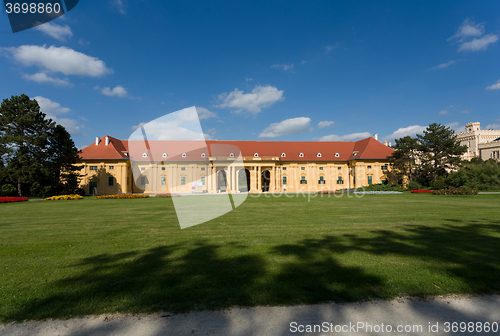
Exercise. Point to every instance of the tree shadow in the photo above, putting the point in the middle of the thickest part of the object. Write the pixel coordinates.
(102, 183)
(201, 275)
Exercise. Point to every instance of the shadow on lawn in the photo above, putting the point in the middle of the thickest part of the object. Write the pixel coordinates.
(311, 272)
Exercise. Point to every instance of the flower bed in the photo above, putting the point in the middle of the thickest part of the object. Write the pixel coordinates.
(121, 196)
(64, 197)
(421, 191)
(167, 195)
(455, 191)
(12, 199)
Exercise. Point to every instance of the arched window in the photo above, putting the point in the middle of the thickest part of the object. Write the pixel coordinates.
(301, 155)
(144, 155)
(256, 155)
(318, 155)
(337, 155)
(203, 155)
(283, 154)
(164, 155)
(184, 155)
(231, 155)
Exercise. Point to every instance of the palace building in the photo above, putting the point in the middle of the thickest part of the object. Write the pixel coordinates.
(484, 144)
(111, 166)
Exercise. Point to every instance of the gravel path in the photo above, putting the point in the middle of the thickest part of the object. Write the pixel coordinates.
(367, 318)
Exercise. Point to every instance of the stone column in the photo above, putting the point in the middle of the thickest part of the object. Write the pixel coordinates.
(259, 179)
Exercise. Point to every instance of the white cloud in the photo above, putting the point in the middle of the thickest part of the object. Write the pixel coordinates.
(42, 77)
(404, 131)
(303, 62)
(60, 33)
(456, 127)
(203, 113)
(323, 124)
(493, 126)
(347, 137)
(443, 65)
(47, 106)
(331, 47)
(465, 111)
(119, 5)
(260, 97)
(53, 109)
(284, 67)
(468, 29)
(478, 44)
(118, 90)
(468, 36)
(495, 86)
(288, 126)
(248, 79)
(59, 59)
(443, 112)
(82, 41)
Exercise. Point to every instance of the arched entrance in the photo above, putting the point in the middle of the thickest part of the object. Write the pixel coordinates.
(266, 180)
(244, 180)
(222, 181)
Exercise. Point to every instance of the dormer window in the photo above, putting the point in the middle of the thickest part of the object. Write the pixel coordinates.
(144, 155)
(354, 153)
(231, 155)
(283, 155)
(301, 155)
(337, 155)
(164, 155)
(203, 155)
(256, 155)
(184, 155)
(318, 155)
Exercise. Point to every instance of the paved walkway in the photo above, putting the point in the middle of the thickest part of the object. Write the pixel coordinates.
(412, 317)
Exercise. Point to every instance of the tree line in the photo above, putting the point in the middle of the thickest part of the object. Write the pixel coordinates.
(433, 159)
(37, 156)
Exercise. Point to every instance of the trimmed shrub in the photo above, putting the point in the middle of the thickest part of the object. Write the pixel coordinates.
(416, 191)
(462, 191)
(121, 196)
(12, 199)
(167, 195)
(329, 192)
(7, 190)
(64, 198)
(382, 187)
(80, 191)
(414, 185)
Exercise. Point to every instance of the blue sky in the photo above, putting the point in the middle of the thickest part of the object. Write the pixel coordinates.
(273, 70)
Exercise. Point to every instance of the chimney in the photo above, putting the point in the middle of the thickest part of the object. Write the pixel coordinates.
(385, 142)
(107, 140)
(375, 136)
(96, 141)
(390, 144)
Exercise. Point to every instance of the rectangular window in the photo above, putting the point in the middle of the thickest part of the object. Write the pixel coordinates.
(183, 168)
(369, 180)
(400, 179)
(369, 167)
(284, 168)
(339, 180)
(183, 180)
(284, 179)
(162, 168)
(321, 180)
(128, 180)
(202, 168)
(339, 168)
(111, 167)
(203, 180)
(384, 182)
(303, 180)
(320, 168)
(162, 180)
(92, 167)
(110, 180)
(302, 168)
(143, 168)
(384, 167)
(143, 180)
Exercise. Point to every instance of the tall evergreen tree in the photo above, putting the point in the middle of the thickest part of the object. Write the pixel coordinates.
(24, 134)
(428, 156)
(62, 160)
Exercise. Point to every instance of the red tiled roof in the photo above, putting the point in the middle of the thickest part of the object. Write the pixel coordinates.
(159, 150)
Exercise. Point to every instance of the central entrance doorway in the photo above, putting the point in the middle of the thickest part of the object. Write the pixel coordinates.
(222, 181)
(266, 180)
(244, 180)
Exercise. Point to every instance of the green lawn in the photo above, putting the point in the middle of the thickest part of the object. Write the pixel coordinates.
(71, 258)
